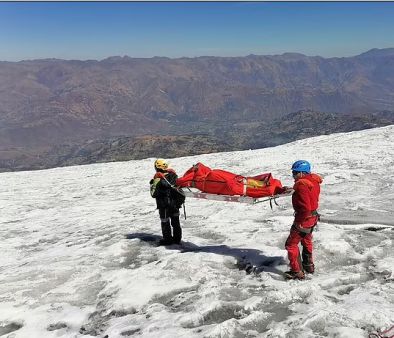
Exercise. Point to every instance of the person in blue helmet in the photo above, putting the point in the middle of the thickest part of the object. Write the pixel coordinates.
(305, 202)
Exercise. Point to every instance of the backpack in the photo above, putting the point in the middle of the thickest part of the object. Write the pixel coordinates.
(178, 196)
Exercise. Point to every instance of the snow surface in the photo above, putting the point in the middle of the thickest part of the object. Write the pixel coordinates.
(73, 263)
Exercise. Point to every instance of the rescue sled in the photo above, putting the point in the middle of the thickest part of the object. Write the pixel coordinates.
(240, 199)
(203, 182)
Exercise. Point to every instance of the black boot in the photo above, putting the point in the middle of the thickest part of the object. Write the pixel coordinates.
(166, 242)
(294, 275)
(309, 268)
(307, 262)
(166, 231)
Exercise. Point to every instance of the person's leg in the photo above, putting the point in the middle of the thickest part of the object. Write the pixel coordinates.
(292, 250)
(307, 257)
(165, 226)
(176, 227)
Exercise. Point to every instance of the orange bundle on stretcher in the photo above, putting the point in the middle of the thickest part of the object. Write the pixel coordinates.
(221, 182)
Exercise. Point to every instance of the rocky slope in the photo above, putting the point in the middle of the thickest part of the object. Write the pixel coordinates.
(227, 137)
(44, 103)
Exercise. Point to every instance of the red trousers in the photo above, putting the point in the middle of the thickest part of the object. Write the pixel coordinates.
(293, 252)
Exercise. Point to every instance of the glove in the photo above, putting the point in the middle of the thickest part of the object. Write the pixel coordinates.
(287, 189)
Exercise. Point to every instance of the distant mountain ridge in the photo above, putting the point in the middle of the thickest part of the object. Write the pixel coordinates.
(376, 52)
(44, 103)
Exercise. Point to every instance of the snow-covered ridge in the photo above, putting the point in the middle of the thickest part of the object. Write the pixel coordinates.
(72, 263)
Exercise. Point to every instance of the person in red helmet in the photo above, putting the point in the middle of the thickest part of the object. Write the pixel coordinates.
(305, 202)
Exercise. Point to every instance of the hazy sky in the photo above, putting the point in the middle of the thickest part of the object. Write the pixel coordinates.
(96, 30)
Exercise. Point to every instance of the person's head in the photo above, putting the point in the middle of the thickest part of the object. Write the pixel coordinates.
(300, 168)
(161, 165)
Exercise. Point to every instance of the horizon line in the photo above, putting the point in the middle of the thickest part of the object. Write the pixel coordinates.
(192, 57)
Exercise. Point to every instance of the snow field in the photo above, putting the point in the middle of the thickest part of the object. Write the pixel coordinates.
(73, 263)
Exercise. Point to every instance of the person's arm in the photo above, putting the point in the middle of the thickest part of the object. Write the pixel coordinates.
(302, 205)
(283, 190)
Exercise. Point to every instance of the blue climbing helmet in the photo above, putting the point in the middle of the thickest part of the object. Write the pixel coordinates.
(301, 166)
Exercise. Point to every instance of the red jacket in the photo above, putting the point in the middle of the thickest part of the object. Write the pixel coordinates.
(306, 199)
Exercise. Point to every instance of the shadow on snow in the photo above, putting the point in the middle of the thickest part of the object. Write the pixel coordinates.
(250, 260)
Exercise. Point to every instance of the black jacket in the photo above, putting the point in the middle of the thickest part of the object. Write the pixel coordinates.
(163, 190)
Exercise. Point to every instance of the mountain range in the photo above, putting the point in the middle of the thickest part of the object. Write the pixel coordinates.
(51, 109)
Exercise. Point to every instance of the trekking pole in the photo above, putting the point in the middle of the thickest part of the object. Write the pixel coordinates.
(184, 210)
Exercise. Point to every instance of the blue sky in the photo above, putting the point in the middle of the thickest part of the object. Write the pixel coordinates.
(96, 30)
